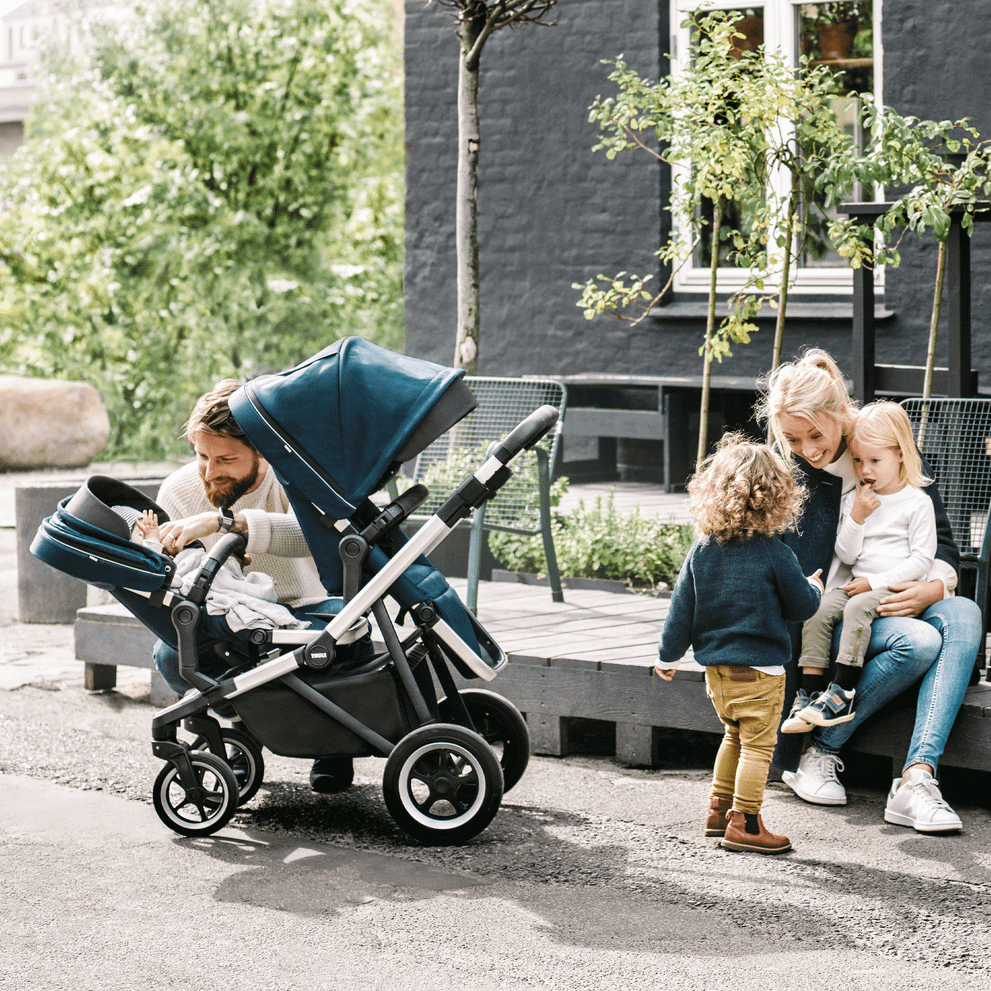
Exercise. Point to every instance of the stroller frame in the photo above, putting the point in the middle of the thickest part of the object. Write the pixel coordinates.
(450, 753)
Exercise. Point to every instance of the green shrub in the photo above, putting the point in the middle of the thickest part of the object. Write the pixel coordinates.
(602, 542)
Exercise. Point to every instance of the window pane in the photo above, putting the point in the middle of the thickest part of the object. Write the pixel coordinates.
(839, 35)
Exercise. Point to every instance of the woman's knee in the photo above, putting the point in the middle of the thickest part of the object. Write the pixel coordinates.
(905, 641)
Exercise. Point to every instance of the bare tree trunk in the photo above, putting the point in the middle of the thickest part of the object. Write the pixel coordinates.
(779, 325)
(927, 386)
(466, 215)
(710, 328)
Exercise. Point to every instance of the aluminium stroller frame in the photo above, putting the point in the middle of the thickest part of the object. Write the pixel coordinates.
(443, 782)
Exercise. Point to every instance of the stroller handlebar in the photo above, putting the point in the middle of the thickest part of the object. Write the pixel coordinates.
(526, 434)
(228, 545)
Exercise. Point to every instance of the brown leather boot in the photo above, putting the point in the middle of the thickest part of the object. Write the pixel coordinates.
(747, 832)
(715, 821)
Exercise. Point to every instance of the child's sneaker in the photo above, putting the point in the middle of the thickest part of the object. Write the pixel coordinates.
(832, 707)
(748, 833)
(794, 722)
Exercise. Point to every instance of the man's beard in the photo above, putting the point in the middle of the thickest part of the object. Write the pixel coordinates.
(224, 492)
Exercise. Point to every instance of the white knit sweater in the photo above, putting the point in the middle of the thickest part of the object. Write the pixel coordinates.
(275, 540)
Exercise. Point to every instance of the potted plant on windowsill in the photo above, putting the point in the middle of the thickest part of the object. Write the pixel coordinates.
(836, 23)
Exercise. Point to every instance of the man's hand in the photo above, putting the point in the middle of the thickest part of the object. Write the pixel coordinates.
(910, 598)
(176, 534)
(864, 503)
(857, 587)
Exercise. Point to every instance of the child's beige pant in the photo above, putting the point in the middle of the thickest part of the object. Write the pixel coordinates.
(856, 612)
(748, 703)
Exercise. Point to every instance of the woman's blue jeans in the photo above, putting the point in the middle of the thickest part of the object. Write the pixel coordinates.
(940, 648)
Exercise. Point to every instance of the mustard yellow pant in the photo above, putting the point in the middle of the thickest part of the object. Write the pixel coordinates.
(748, 703)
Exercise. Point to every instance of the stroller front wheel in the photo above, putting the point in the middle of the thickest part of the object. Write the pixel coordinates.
(442, 784)
(244, 757)
(202, 809)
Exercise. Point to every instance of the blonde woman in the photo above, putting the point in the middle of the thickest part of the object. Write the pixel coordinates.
(737, 591)
(923, 632)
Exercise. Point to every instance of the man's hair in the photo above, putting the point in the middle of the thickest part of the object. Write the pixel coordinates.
(212, 414)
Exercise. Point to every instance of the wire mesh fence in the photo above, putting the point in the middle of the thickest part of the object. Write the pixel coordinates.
(502, 404)
(954, 435)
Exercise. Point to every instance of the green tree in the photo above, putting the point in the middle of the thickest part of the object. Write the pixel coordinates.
(728, 122)
(213, 189)
(945, 165)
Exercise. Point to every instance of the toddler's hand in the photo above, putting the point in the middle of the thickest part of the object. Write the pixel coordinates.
(666, 674)
(815, 580)
(864, 503)
(857, 587)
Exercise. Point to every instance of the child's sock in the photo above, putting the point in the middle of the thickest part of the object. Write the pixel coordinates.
(812, 684)
(846, 676)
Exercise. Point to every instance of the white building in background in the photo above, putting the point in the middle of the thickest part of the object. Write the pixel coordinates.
(24, 25)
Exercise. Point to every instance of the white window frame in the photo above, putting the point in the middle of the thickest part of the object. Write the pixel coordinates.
(779, 32)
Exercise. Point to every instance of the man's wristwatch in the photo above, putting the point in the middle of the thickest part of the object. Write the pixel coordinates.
(225, 520)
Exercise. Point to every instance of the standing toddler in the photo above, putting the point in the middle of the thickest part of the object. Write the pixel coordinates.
(737, 592)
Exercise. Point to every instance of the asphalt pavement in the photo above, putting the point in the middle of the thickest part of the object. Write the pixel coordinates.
(592, 875)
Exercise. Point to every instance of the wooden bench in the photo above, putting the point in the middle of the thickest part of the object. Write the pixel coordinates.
(665, 410)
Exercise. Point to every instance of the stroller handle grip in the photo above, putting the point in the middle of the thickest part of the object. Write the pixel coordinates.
(227, 546)
(527, 434)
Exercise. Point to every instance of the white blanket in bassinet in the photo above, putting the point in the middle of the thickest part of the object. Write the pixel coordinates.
(247, 601)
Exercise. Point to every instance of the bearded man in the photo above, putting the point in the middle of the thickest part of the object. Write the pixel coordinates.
(230, 487)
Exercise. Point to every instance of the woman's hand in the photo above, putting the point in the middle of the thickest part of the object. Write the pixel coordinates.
(910, 598)
(176, 534)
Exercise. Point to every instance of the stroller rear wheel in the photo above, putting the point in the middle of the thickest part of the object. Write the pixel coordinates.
(501, 725)
(442, 784)
(243, 756)
(202, 809)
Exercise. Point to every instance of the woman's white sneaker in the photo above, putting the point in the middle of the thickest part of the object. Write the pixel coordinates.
(918, 804)
(815, 780)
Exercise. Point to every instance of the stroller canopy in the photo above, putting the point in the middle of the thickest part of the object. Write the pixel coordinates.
(341, 423)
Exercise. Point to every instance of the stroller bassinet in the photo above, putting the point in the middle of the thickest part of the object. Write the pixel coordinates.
(335, 430)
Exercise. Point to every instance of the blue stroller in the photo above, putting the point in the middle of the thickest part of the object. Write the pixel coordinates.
(335, 429)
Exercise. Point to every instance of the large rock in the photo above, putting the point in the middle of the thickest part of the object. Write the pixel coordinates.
(46, 423)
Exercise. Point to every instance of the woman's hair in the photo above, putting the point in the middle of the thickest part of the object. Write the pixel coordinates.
(212, 414)
(809, 387)
(884, 424)
(744, 490)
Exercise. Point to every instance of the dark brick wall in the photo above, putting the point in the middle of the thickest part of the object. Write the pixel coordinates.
(552, 213)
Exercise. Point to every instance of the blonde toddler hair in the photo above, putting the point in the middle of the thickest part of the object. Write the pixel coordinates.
(810, 387)
(886, 424)
(744, 490)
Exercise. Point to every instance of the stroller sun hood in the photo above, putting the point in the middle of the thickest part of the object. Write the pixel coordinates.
(340, 424)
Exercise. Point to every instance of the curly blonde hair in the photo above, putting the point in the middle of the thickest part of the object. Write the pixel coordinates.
(744, 490)
(810, 387)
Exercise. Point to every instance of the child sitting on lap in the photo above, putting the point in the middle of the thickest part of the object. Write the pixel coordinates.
(887, 535)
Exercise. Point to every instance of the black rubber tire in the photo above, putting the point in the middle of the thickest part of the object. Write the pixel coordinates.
(243, 756)
(501, 725)
(197, 814)
(442, 784)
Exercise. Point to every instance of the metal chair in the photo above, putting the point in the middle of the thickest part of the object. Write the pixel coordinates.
(954, 435)
(522, 505)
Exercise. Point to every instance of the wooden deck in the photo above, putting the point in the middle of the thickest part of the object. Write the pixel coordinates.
(591, 658)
